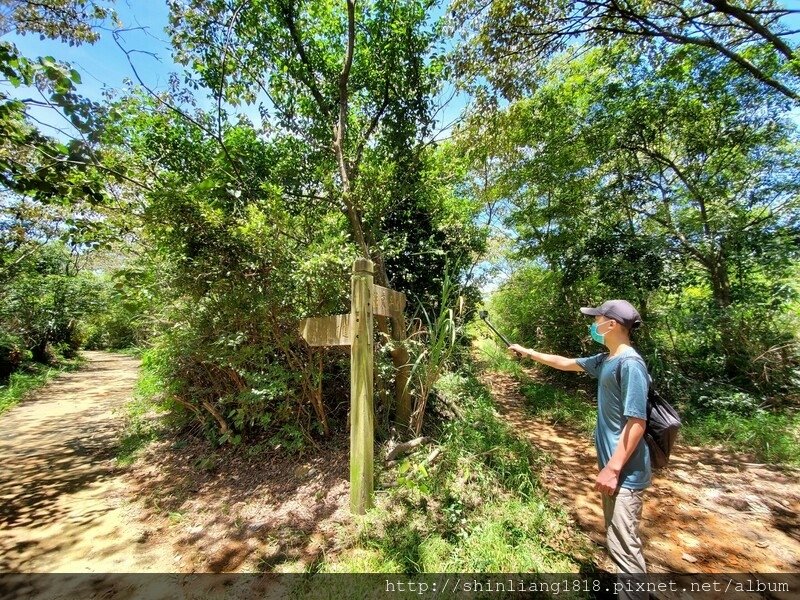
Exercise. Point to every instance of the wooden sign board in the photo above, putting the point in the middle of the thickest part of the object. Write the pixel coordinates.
(386, 302)
(326, 331)
(355, 330)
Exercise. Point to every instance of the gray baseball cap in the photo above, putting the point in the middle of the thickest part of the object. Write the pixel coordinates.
(619, 310)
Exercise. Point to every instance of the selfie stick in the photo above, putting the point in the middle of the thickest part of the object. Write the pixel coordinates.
(483, 315)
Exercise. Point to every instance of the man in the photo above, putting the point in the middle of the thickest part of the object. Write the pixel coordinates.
(622, 454)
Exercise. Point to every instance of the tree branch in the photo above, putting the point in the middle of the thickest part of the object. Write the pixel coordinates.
(754, 25)
(289, 17)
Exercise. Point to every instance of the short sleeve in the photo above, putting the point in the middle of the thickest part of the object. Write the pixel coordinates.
(591, 364)
(634, 379)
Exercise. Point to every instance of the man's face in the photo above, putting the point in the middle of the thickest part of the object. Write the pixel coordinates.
(604, 324)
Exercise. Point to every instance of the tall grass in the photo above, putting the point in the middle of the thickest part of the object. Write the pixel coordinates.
(432, 345)
(480, 508)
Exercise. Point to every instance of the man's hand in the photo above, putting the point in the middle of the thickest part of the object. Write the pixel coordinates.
(607, 481)
(551, 360)
(517, 350)
(632, 433)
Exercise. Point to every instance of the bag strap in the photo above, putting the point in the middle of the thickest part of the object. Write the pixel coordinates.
(618, 377)
(618, 369)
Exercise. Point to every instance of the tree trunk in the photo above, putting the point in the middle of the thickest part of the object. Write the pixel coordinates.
(720, 283)
(348, 174)
(728, 334)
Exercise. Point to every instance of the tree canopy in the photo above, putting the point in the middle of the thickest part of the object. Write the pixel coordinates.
(638, 149)
(515, 38)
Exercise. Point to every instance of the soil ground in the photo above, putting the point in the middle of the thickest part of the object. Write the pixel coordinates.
(709, 512)
(64, 502)
(68, 507)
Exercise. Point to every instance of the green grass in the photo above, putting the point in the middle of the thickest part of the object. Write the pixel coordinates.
(134, 351)
(507, 536)
(142, 423)
(771, 437)
(480, 508)
(30, 378)
(494, 357)
(558, 407)
(542, 400)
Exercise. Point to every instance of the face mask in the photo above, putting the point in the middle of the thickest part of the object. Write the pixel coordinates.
(600, 338)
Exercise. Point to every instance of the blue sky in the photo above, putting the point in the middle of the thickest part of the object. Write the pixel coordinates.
(104, 65)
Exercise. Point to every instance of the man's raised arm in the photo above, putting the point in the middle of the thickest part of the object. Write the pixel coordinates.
(551, 360)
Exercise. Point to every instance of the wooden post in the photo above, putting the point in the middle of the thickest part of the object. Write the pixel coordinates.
(400, 360)
(355, 330)
(362, 433)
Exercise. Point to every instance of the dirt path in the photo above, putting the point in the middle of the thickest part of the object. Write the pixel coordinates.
(64, 503)
(183, 507)
(717, 510)
(67, 507)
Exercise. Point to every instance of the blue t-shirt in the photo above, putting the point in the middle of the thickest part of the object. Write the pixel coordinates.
(615, 403)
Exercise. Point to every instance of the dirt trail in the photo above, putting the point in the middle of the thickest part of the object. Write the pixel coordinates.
(67, 507)
(723, 511)
(64, 505)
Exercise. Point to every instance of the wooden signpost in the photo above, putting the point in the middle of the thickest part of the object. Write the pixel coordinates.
(326, 331)
(355, 330)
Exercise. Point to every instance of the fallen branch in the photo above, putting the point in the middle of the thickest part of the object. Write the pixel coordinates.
(433, 456)
(428, 462)
(216, 414)
(457, 412)
(407, 447)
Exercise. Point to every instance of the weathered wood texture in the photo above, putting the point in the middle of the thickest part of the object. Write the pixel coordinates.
(361, 409)
(356, 330)
(386, 302)
(326, 331)
(400, 362)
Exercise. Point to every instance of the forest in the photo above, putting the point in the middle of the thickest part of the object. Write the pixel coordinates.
(523, 158)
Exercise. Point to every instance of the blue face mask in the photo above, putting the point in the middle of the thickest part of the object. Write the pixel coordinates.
(600, 338)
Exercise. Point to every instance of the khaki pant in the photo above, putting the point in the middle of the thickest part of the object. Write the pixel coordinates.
(623, 513)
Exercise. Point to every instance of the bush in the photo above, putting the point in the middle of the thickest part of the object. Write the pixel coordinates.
(12, 354)
(124, 309)
(705, 358)
(42, 305)
(717, 397)
(222, 367)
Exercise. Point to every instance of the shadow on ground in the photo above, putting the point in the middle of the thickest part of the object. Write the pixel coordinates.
(56, 445)
(710, 511)
(182, 507)
(225, 511)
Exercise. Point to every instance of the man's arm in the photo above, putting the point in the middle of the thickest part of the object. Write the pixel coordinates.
(551, 360)
(608, 478)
